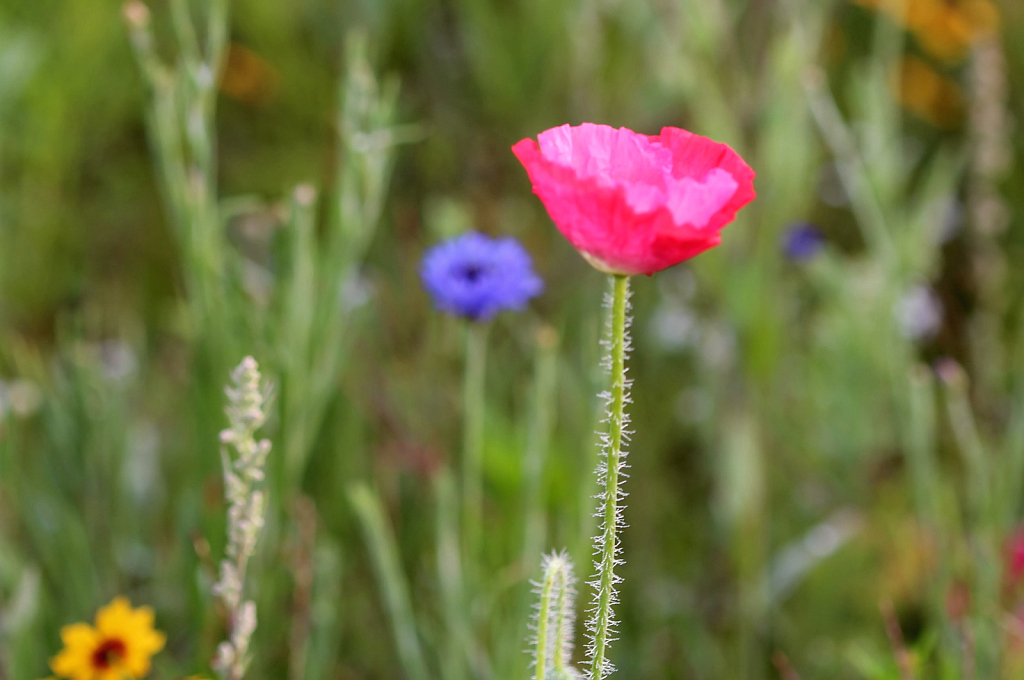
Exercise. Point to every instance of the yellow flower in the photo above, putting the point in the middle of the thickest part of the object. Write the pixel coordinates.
(945, 29)
(119, 647)
(928, 94)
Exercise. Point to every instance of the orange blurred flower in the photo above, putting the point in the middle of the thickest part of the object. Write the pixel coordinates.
(928, 94)
(119, 647)
(946, 29)
(248, 77)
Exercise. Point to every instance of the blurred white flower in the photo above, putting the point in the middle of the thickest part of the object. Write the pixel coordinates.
(356, 290)
(717, 345)
(21, 397)
(674, 328)
(141, 471)
(919, 313)
(118, 362)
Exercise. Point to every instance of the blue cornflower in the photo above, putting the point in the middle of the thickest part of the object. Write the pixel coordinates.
(477, 276)
(802, 241)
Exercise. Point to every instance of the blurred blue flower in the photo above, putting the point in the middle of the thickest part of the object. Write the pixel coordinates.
(477, 276)
(802, 241)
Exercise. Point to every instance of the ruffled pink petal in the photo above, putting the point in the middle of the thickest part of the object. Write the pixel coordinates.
(632, 203)
(599, 221)
(612, 156)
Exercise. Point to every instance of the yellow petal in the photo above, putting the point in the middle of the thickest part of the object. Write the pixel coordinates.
(143, 617)
(115, 618)
(153, 641)
(73, 663)
(142, 646)
(75, 660)
(79, 635)
(137, 665)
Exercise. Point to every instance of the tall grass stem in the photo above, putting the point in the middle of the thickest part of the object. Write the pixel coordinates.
(983, 521)
(456, 653)
(394, 589)
(474, 413)
(542, 416)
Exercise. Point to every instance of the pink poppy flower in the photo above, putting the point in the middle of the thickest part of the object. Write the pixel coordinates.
(632, 203)
(1015, 557)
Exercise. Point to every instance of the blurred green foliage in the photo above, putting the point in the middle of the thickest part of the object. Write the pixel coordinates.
(796, 461)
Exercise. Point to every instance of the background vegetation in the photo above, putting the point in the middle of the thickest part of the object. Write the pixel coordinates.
(828, 462)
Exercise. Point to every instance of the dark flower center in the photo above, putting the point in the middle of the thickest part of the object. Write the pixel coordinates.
(472, 272)
(108, 653)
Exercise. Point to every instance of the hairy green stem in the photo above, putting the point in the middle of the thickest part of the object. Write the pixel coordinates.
(565, 618)
(606, 543)
(543, 616)
(473, 439)
(555, 618)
